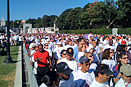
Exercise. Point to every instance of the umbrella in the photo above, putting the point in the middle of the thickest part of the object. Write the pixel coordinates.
(86, 36)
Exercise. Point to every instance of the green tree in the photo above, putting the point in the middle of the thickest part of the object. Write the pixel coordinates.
(61, 19)
(83, 21)
(110, 14)
(32, 21)
(94, 13)
(124, 12)
(72, 18)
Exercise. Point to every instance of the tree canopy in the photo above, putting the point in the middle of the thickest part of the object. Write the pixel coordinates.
(103, 14)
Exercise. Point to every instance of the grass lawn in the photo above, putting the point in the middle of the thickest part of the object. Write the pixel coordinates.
(7, 71)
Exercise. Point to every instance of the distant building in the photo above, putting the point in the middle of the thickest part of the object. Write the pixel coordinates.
(45, 30)
(3, 25)
(27, 28)
(2, 22)
(51, 29)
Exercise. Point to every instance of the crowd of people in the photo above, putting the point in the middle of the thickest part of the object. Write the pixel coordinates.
(78, 60)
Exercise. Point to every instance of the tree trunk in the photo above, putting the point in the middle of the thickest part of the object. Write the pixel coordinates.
(108, 26)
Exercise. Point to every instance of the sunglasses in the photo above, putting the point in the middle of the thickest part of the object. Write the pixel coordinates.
(125, 58)
(88, 64)
(90, 55)
(46, 45)
(111, 52)
(64, 54)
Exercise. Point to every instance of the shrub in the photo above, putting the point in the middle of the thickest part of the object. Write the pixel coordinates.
(97, 31)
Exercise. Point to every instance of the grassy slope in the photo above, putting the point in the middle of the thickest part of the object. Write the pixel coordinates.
(7, 71)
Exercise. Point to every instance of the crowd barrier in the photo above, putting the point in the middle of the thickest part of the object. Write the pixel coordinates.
(31, 77)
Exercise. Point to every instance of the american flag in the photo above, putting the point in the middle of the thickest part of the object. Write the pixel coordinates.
(36, 30)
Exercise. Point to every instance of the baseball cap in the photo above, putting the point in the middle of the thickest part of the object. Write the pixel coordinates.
(62, 67)
(126, 69)
(83, 59)
(70, 51)
(59, 43)
(106, 71)
(119, 37)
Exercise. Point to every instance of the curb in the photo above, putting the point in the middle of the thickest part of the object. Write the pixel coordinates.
(18, 75)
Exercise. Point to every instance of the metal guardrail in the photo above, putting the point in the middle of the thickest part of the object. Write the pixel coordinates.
(31, 77)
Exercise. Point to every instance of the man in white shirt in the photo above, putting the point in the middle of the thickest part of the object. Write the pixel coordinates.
(20, 39)
(33, 43)
(65, 75)
(125, 80)
(69, 60)
(82, 78)
(57, 51)
(102, 74)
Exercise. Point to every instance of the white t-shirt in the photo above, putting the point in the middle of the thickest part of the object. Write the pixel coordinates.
(57, 52)
(37, 41)
(80, 54)
(32, 53)
(32, 45)
(89, 36)
(68, 46)
(66, 83)
(72, 64)
(49, 51)
(82, 79)
(20, 38)
(93, 66)
(43, 85)
(97, 84)
(105, 42)
(121, 83)
(111, 63)
(108, 46)
(15, 37)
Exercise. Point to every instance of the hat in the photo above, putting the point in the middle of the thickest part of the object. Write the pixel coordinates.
(62, 67)
(83, 59)
(59, 43)
(106, 71)
(119, 37)
(110, 38)
(70, 51)
(126, 69)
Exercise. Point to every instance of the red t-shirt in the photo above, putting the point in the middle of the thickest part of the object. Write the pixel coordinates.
(26, 46)
(44, 56)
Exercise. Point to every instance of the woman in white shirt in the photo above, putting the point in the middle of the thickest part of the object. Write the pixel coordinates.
(81, 50)
(63, 55)
(47, 49)
(107, 58)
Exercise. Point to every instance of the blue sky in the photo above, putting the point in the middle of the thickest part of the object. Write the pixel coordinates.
(25, 9)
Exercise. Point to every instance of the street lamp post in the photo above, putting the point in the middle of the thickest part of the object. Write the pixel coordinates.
(8, 59)
(55, 24)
